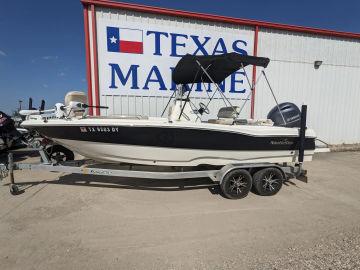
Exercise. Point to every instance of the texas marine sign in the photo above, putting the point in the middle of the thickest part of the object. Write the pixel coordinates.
(138, 59)
(131, 54)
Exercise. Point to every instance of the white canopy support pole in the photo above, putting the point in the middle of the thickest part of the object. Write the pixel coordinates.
(217, 87)
(172, 95)
(247, 78)
(210, 98)
(251, 91)
(272, 92)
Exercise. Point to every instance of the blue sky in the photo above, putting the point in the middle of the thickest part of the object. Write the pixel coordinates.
(42, 52)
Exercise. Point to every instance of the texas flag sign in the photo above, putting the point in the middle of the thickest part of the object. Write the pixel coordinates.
(124, 40)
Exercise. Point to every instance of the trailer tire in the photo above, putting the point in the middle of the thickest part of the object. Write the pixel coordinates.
(236, 184)
(14, 189)
(58, 153)
(268, 181)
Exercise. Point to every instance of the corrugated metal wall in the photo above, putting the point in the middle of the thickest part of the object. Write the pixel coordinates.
(331, 92)
(154, 105)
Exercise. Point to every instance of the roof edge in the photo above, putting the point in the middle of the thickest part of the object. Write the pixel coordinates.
(219, 18)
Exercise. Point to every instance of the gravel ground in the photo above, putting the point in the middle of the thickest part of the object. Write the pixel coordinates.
(87, 222)
(340, 251)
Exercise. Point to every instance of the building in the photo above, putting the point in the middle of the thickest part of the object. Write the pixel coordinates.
(131, 49)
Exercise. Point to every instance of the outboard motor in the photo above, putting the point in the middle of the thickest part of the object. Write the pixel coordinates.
(289, 111)
(8, 133)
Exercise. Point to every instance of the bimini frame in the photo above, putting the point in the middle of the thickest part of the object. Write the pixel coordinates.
(207, 68)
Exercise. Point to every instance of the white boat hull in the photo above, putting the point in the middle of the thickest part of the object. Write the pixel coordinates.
(163, 156)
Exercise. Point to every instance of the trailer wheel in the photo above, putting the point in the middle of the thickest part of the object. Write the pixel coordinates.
(268, 181)
(14, 189)
(236, 184)
(58, 153)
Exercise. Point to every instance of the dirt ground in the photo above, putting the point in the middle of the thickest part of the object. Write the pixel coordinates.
(91, 222)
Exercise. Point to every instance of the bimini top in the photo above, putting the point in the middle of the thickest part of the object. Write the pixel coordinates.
(218, 67)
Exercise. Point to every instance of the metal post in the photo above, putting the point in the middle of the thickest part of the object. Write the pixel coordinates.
(11, 168)
(302, 133)
(44, 156)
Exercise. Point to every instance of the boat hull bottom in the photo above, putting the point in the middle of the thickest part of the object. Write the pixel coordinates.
(162, 156)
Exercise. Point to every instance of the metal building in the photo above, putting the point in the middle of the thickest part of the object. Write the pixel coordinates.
(131, 49)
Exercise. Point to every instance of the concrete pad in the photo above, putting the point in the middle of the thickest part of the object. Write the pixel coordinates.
(92, 222)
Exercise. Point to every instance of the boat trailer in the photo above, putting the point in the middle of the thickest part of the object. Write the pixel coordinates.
(235, 179)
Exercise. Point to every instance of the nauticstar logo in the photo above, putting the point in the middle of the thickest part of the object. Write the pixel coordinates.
(281, 142)
(83, 129)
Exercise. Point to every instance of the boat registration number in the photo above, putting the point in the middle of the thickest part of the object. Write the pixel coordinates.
(99, 129)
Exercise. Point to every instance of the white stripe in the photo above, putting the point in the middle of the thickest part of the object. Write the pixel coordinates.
(130, 35)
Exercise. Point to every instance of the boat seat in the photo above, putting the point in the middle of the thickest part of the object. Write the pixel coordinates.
(76, 96)
(226, 116)
(228, 112)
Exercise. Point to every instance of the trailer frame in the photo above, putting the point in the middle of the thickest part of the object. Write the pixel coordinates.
(83, 167)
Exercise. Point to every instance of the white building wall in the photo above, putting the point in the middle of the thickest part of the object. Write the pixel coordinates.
(331, 92)
(153, 105)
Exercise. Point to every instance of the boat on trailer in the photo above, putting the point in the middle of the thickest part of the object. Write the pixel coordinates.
(182, 138)
(240, 154)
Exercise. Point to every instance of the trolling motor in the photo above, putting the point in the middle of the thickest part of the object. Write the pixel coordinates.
(73, 109)
(30, 107)
(61, 111)
(42, 106)
(75, 105)
(31, 110)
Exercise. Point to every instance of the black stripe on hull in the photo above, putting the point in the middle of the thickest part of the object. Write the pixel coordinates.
(173, 137)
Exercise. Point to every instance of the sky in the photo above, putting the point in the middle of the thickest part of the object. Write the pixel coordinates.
(42, 49)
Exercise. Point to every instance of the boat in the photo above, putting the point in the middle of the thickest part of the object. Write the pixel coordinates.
(10, 136)
(182, 138)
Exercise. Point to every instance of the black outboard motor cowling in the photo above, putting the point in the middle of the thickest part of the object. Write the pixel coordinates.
(291, 113)
(9, 135)
(6, 123)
